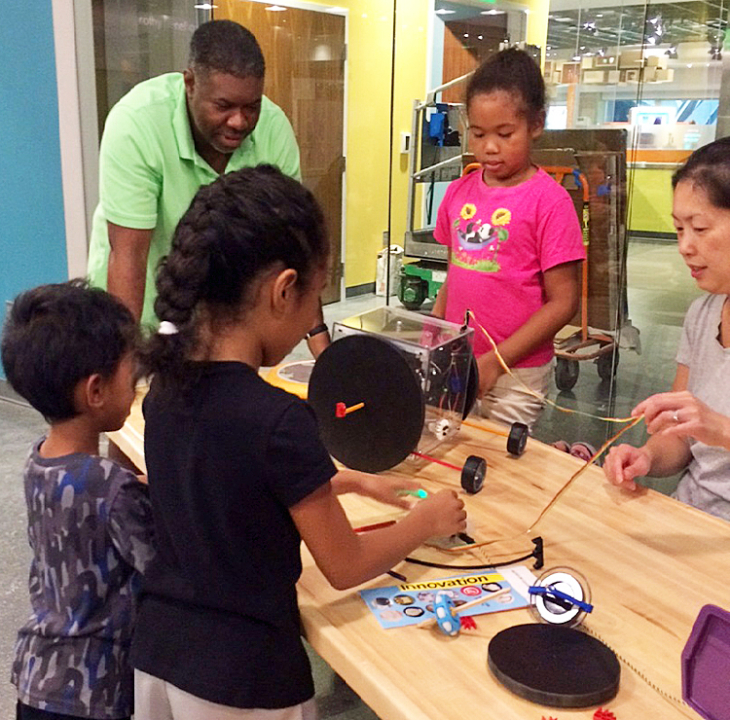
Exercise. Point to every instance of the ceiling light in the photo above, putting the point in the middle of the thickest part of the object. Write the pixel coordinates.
(444, 11)
(492, 12)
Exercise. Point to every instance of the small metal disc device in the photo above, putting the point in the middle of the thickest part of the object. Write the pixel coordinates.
(560, 596)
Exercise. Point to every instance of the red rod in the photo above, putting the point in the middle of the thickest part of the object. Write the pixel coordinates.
(375, 526)
(433, 459)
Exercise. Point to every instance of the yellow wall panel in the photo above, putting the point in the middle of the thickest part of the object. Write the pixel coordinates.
(650, 208)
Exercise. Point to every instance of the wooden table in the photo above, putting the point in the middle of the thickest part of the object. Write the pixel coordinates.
(651, 563)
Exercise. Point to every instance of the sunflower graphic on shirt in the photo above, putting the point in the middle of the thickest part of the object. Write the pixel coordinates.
(479, 242)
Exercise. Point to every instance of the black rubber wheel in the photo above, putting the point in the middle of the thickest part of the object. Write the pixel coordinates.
(566, 373)
(473, 474)
(607, 364)
(412, 291)
(518, 434)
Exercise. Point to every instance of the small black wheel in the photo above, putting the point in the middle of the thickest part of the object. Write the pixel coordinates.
(412, 291)
(607, 364)
(473, 474)
(566, 373)
(518, 434)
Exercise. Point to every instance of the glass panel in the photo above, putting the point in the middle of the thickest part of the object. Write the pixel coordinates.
(654, 72)
(305, 51)
(437, 352)
(134, 41)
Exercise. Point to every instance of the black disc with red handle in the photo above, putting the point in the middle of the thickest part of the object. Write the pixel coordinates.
(363, 369)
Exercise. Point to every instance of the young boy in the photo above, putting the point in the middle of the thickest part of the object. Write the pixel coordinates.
(68, 350)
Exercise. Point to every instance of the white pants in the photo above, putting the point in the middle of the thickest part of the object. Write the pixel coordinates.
(509, 402)
(155, 699)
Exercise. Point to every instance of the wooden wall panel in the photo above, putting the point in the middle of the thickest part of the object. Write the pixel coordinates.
(464, 54)
(305, 53)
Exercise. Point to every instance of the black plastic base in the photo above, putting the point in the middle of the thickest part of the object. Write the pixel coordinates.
(554, 666)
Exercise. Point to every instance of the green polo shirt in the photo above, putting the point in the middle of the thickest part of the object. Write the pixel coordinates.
(149, 169)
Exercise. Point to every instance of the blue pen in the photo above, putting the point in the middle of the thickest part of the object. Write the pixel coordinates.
(551, 591)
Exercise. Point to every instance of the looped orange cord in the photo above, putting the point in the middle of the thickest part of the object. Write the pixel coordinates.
(532, 392)
(630, 422)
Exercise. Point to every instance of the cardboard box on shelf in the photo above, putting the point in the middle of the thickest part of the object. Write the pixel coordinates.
(593, 77)
(658, 61)
(602, 61)
(570, 73)
(664, 75)
(631, 59)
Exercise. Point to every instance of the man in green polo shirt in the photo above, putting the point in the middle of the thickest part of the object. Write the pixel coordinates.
(165, 139)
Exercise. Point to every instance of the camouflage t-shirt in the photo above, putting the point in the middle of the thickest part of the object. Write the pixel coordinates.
(90, 530)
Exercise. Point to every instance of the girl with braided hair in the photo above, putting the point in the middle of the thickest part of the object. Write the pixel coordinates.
(238, 475)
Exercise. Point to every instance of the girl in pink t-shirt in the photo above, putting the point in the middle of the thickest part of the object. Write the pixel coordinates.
(514, 239)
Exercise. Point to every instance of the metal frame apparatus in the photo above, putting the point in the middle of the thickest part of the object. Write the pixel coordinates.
(434, 163)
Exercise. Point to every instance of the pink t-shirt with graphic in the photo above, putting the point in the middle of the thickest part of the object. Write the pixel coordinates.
(502, 239)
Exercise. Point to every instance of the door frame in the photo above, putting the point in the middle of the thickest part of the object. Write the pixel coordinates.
(77, 125)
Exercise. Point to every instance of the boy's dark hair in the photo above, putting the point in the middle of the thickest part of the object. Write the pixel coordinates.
(515, 72)
(227, 47)
(57, 335)
(235, 228)
(709, 168)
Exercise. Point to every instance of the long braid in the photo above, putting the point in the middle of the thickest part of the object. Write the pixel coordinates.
(181, 280)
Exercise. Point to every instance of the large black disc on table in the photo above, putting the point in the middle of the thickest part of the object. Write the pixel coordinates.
(554, 666)
(360, 368)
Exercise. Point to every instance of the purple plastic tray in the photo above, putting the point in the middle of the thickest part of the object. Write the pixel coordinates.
(706, 664)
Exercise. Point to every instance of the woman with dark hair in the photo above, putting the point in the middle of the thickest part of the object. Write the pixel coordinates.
(690, 426)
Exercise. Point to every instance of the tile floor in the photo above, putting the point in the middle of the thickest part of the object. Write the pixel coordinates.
(660, 292)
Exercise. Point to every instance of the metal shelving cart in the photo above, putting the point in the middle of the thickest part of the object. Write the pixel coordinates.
(436, 152)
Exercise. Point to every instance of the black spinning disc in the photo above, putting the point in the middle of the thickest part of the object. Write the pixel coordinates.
(361, 368)
(554, 666)
(472, 387)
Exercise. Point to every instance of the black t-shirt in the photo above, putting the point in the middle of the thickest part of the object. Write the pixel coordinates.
(226, 459)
